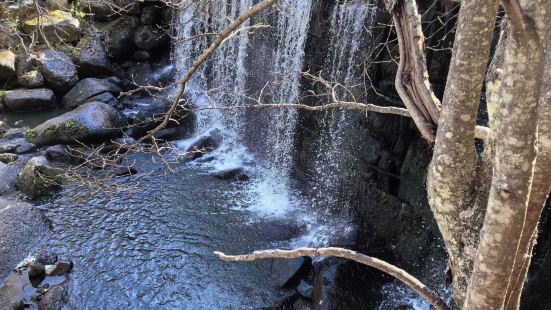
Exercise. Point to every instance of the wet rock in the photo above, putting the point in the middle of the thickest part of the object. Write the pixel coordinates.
(8, 148)
(38, 178)
(106, 98)
(28, 72)
(87, 89)
(4, 128)
(149, 37)
(288, 272)
(58, 70)
(8, 158)
(14, 133)
(305, 289)
(148, 74)
(141, 56)
(151, 15)
(31, 79)
(56, 26)
(36, 272)
(120, 40)
(18, 305)
(58, 153)
(7, 64)
(54, 299)
(93, 121)
(8, 174)
(151, 113)
(22, 226)
(30, 100)
(107, 10)
(237, 174)
(45, 257)
(205, 144)
(93, 60)
(124, 171)
(59, 269)
(24, 147)
(302, 304)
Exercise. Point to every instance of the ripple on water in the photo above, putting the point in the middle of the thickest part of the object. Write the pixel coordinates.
(154, 247)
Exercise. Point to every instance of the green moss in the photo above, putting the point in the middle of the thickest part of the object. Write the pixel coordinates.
(68, 130)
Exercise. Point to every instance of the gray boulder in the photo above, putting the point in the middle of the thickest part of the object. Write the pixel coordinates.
(22, 227)
(58, 70)
(28, 72)
(31, 79)
(38, 178)
(149, 37)
(30, 100)
(120, 39)
(93, 60)
(87, 89)
(91, 122)
(56, 26)
(154, 75)
(107, 10)
(151, 114)
(4, 128)
(54, 298)
(205, 144)
(7, 64)
(8, 174)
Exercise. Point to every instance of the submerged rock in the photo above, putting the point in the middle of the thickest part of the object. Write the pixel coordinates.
(58, 69)
(124, 171)
(38, 178)
(91, 122)
(205, 144)
(30, 100)
(237, 174)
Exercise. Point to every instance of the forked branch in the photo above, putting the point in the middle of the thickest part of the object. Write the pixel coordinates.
(383, 266)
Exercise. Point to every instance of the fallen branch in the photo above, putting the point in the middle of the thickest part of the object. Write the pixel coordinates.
(400, 274)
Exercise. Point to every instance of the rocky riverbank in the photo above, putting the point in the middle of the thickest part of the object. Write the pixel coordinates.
(63, 67)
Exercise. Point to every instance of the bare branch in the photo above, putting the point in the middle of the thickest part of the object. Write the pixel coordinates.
(515, 14)
(381, 265)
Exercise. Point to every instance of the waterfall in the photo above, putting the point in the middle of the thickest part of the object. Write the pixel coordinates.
(347, 45)
(225, 79)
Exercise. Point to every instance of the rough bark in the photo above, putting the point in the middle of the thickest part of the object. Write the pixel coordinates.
(541, 185)
(515, 134)
(412, 79)
(451, 182)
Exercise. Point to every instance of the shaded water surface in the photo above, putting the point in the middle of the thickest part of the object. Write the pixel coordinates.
(154, 247)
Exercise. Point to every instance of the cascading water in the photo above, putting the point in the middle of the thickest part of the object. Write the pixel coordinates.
(349, 36)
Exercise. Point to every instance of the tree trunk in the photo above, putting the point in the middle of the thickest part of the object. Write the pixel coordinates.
(515, 134)
(452, 175)
(541, 185)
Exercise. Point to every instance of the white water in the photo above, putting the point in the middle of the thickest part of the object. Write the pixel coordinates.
(349, 31)
(223, 81)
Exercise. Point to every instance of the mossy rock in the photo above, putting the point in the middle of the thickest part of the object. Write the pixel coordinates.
(38, 178)
(91, 122)
(57, 26)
